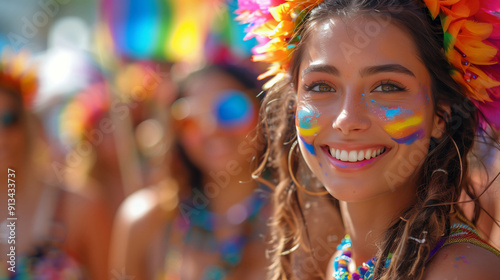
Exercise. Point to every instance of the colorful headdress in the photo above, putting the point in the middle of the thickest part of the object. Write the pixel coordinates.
(471, 42)
(273, 23)
(83, 113)
(17, 76)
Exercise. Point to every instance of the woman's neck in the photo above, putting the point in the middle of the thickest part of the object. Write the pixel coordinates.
(226, 191)
(367, 221)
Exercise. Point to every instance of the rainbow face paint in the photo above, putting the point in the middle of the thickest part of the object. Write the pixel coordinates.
(307, 125)
(403, 124)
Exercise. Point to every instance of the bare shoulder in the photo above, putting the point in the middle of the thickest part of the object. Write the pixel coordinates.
(139, 220)
(140, 211)
(463, 261)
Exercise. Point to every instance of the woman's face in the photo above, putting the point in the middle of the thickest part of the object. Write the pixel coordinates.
(12, 133)
(365, 113)
(216, 117)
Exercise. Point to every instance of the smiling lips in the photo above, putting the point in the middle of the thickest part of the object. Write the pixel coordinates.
(355, 155)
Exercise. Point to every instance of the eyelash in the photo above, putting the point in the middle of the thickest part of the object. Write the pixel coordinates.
(311, 87)
(398, 87)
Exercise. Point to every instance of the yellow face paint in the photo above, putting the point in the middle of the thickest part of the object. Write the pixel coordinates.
(308, 131)
(400, 128)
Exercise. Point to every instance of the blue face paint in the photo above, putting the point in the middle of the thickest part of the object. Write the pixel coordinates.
(234, 109)
(305, 116)
(309, 147)
(391, 112)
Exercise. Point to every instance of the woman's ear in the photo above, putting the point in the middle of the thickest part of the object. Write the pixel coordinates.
(441, 117)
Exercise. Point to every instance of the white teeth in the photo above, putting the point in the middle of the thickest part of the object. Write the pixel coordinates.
(368, 154)
(353, 156)
(361, 155)
(343, 155)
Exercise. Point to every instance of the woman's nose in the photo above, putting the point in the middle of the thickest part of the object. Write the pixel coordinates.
(352, 115)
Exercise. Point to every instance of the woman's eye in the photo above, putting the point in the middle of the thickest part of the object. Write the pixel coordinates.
(321, 88)
(388, 88)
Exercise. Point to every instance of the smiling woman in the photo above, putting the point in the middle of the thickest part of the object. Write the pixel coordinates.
(364, 89)
(332, 83)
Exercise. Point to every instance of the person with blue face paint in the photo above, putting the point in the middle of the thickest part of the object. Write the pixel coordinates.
(216, 222)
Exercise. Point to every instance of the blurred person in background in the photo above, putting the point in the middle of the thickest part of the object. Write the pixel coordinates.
(92, 164)
(106, 123)
(58, 234)
(485, 170)
(208, 221)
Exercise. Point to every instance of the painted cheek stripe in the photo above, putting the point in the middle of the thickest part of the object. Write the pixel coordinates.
(308, 131)
(410, 138)
(306, 124)
(309, 147)
(395, 128)
(406, 132)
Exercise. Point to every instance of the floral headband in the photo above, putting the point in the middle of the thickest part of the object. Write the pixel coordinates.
(471, 42)
(17, 76)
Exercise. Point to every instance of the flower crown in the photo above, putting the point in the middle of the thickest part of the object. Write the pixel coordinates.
(17, 76)
(471, 42)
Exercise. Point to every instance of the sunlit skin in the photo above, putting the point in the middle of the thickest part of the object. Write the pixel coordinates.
(353, 96)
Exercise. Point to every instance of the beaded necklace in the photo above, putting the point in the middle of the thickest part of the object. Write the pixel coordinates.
(342, 261)
(230, 249)
(199, 230)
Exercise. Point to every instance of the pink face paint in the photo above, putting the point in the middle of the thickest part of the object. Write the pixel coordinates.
(307, 126)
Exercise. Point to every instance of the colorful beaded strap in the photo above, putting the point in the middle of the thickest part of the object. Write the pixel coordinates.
(465, 233)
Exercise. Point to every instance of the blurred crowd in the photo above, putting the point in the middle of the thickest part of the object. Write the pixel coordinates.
(129, 127)
(126, 132)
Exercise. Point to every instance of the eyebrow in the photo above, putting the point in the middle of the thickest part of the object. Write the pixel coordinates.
(371, 70)
(397, 68)
(323, 68)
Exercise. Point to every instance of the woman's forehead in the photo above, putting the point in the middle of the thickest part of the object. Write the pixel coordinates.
(352, 44)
